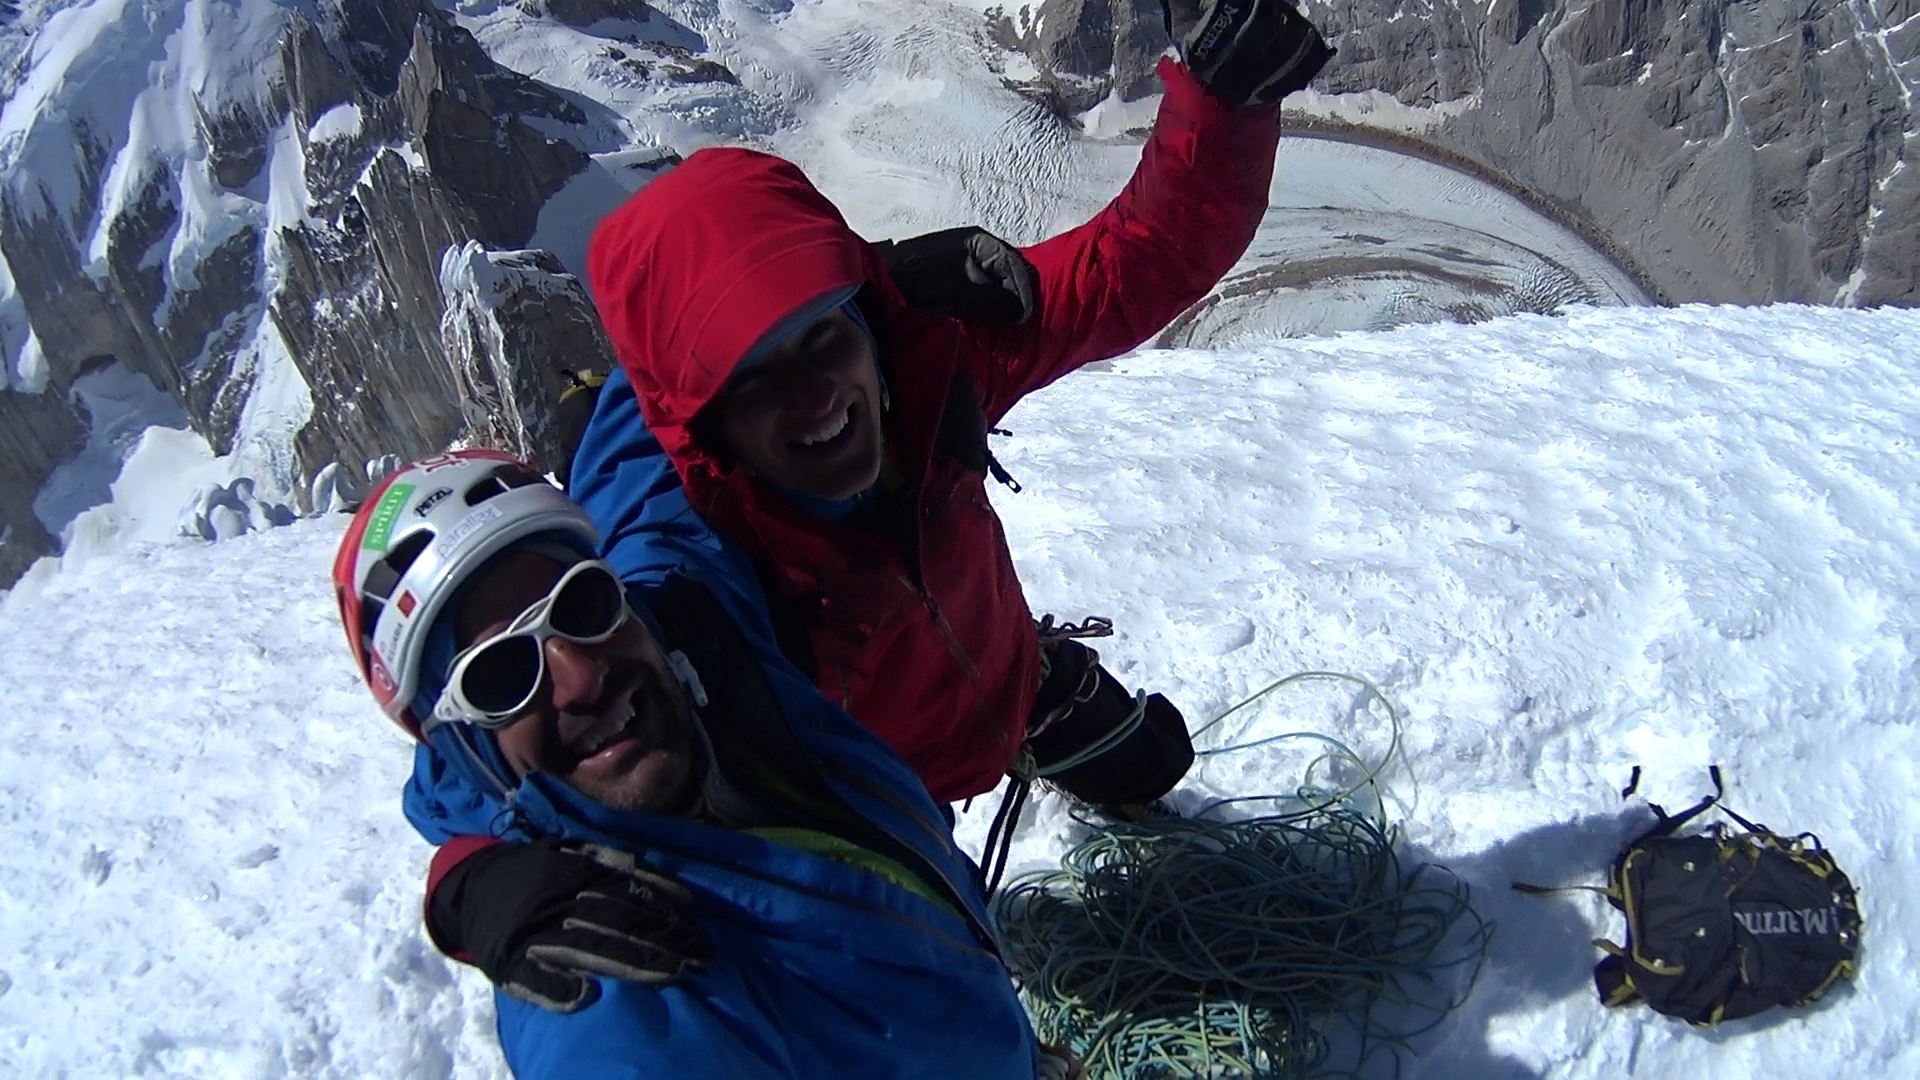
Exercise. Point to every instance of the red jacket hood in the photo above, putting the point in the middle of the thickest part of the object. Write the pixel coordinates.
(697, 266)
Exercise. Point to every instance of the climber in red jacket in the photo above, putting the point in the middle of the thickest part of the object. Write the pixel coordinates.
(839, 436)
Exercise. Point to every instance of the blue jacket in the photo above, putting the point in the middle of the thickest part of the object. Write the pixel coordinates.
(821, 968)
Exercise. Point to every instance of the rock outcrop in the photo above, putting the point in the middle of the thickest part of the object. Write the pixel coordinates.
(37, 433)
(1086, 49)
(584, 13)
(411, 141)
(1739, 153)
(224, 511)
(334, 490)
(509, 313)
(361, 307)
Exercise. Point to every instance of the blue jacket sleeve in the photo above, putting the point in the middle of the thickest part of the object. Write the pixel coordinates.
(644, 1033)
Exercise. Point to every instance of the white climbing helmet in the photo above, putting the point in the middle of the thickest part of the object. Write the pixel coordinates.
(421, 533)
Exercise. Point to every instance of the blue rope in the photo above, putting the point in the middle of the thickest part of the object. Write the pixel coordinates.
(1201, 947)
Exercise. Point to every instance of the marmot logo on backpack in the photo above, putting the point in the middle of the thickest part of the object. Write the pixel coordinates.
(1806, 921)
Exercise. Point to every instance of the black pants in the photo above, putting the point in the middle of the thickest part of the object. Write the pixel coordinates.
(1079, 707)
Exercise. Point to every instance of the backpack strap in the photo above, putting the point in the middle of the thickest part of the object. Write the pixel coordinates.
(1760, 830)
(963, 433)
(1611, 977)
(1671, 823)
(1665, 826)
(1549, 890)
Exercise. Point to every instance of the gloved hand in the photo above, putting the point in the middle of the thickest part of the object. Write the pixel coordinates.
(541, 919)
(967, 273)
(1248, 52)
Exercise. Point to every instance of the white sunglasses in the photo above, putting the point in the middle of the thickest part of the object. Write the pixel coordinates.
(492, 681)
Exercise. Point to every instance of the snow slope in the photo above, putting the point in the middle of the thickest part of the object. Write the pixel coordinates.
(1563, 546)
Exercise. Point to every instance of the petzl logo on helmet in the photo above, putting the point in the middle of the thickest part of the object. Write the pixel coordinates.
(380, 525)
(427, 503)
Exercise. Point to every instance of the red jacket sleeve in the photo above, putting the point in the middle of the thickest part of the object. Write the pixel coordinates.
(1185, 217)
(449, 855)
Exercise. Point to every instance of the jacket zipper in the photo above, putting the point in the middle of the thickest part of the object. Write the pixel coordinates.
(960, 653)
(941, 837)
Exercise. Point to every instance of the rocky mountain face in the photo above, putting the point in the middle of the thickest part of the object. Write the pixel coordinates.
(414, 144)
(362, 307)
(512, 319)
(1733, 152)
(37, 431)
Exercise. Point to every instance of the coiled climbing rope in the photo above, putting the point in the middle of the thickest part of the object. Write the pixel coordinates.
(1205, 946)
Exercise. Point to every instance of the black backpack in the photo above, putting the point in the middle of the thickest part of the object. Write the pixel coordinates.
(1723, 924)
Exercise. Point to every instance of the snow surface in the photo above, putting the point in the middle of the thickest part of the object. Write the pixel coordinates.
(339, 122)
(120, 404)
(22, 365)
(1563, 546)
(142, 466)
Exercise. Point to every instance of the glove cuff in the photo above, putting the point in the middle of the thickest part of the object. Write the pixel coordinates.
(1193, 101)
(445, 862)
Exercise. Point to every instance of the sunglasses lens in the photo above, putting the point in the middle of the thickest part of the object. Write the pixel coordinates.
(589, 605)
(502, 676)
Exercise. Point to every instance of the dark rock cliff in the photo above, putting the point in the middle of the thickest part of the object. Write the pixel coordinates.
(1742, 153)
(439, 148)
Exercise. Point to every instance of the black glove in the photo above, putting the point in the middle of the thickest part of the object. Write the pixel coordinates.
(967, 273)
(1248, 52)
(542, 918)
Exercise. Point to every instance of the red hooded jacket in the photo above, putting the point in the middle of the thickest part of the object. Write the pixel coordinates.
(920, 630)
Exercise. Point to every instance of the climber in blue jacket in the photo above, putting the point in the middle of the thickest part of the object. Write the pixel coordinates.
(805, 910)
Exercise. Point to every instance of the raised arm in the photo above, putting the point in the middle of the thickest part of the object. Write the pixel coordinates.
(1185, 217)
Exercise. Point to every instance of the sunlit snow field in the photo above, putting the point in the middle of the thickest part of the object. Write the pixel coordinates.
(1563, 547)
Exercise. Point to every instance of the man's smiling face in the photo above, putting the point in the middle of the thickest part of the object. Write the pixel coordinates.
(806, 414)
(609, 718)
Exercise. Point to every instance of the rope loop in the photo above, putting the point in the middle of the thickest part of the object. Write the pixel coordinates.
(1207, 946)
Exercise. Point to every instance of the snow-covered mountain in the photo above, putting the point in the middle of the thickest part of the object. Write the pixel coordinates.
(248, 204)
(263, 209)
(1748, 152)
(1562, 546)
